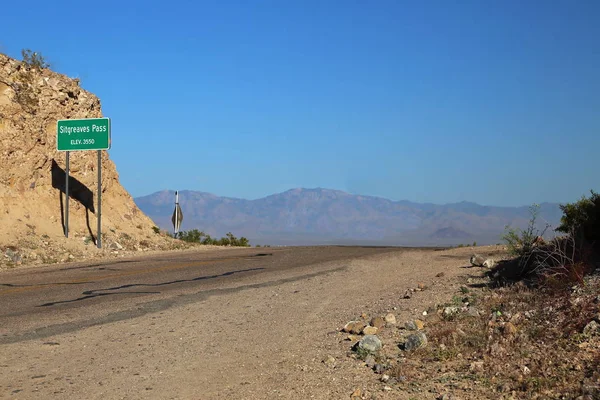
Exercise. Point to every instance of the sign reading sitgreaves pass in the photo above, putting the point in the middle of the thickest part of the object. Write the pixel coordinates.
(83, 134)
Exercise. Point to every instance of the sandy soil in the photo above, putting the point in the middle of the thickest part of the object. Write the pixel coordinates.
(259, 343)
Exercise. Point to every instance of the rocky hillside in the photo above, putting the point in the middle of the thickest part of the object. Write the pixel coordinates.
(317, 216)
(32, 176)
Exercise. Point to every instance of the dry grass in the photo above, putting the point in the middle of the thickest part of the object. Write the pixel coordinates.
(528, 341)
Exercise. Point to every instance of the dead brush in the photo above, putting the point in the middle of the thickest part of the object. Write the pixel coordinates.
(562, 262)
(539, 356)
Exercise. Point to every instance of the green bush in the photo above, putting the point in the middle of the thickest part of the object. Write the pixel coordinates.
(196, 236)
(582, 218)
(192, 236)
(34, 59)
(563, 260)
(520, 242)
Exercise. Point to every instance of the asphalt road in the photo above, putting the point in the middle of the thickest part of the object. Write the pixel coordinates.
(40, 302)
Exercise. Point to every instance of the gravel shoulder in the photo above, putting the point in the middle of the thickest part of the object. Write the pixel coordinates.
(259, 342)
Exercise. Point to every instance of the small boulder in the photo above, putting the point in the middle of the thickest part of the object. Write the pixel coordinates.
(415, 341)
(379, 368)
(407, 294)
(358, 327)
(378, 322)
(390, 319)
(13, 256)
(369, 330)
(410, 326)
(477, 260)
(370, 361)
(115, 246)
(489, 263)
(349, 326)
(329, 361)
(415, 325)
(370, 343)
(509, 329)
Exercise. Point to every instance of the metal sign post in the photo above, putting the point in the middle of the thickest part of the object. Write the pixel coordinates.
(78, 135)
(177, 215)
(67, 196)
(99, 237)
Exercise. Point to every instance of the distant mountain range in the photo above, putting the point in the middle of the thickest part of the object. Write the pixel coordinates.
(324, 216)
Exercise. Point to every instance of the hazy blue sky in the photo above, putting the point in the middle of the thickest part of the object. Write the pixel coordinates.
(496, 102)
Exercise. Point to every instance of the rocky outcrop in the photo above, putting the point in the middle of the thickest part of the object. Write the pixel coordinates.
(32, 175)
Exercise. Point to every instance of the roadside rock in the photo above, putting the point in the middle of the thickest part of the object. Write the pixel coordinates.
(407, 294)
(415, 325)
(415, 341)
(379, 368)
(329, 361)
(370, 361)
(353, 338)
(115, 246)
(356, 394)
(477, 260)
(509, 329)
(349, 326)
(358, 327)
(13, 255)
(410, 326)
(390, 319)
(489, 263)
(378, 322)
(369, 330)
(370, 343)
(354, 327)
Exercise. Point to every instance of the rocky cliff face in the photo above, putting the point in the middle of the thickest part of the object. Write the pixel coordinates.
(32, 176)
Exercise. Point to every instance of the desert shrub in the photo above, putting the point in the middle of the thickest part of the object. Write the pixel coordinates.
(582, 218)
(562, 261)
(196, 236)
(156, 229)
(26, 93)
(33, 59)
(192, 236)
(521, 242)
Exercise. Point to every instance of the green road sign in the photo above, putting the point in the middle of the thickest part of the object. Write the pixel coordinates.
(83, 134)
